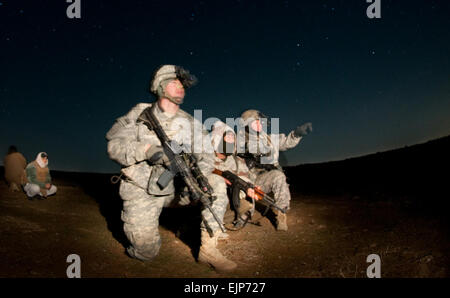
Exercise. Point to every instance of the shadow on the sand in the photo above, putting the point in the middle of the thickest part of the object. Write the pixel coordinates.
(106, 194)
(268, 213)
(184, 222)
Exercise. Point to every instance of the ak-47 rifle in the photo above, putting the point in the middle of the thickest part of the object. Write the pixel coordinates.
(181, 163)
(240, 184)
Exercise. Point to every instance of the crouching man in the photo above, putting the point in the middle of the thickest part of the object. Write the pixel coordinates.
(14, 163)
(223, 139)
(138, 150)
(261, 152)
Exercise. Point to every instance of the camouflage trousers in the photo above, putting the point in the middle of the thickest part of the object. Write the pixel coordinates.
(141, 212)
(275, 181)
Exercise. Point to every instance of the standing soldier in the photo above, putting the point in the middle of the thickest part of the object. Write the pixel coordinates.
(261, 152)
(139, 151)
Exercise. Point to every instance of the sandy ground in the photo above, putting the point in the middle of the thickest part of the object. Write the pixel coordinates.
(327, 237)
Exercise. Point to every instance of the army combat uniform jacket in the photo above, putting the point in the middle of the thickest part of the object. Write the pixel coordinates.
(129, 137)
(143, 200)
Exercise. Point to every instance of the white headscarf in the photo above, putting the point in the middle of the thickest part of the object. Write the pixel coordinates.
(219, 128)
(40, 162)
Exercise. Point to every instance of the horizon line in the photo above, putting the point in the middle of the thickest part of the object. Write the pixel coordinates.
(301, 164)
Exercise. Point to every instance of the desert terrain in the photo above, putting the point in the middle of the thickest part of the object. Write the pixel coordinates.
(331, 232)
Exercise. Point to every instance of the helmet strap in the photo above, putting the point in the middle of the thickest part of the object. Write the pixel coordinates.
(163, 94)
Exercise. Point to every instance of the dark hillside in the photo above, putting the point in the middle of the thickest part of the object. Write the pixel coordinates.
(420, 172)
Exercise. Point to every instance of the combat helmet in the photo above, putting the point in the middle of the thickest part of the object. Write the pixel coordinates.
(250, 115)
(167, 73)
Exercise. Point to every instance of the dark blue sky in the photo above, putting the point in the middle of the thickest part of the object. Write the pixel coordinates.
(366, 85)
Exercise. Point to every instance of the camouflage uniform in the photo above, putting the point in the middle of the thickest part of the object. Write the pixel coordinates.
(270, 177)
(233, 164)
(143, 200)
(236, 165)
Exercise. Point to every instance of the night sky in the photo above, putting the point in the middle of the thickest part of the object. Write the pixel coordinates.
(367, 85)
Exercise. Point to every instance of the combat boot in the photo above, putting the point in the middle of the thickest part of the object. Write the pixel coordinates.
(281, 221)
(209, 254)
(242, 220)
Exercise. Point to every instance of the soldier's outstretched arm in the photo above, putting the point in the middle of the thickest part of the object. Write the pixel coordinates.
(287, 142)
(294, 137)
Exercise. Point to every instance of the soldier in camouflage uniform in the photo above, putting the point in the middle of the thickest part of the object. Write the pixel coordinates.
(224, 143)
(261, 152)
(139, 151)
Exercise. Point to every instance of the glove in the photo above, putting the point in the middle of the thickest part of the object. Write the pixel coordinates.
(154, 154)
(303, 129)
